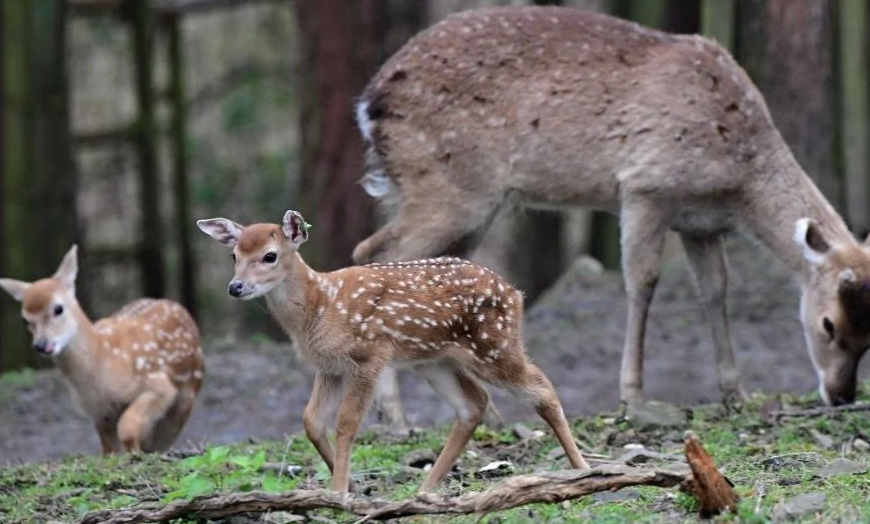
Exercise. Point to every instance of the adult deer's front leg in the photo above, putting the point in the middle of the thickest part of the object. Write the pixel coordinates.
(643, 236)
(706, 257)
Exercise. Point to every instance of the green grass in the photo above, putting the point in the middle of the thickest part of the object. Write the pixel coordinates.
(741, 443)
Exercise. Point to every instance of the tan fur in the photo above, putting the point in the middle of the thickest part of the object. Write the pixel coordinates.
(551, 106)
(453, 322)
(136, 374)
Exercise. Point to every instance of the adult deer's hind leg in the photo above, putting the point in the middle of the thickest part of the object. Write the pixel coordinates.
(643, 238)
(706, 255)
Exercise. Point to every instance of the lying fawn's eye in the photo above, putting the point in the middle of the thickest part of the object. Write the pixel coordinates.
(270, 257)
(58, 310)
(829, 326)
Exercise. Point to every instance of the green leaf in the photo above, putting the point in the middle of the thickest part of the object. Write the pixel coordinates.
(217, 454)
(271, 483)
(194, 485)
(258, 460)
(241, 461)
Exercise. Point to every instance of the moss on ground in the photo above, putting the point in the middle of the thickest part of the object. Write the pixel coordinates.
(767, 461)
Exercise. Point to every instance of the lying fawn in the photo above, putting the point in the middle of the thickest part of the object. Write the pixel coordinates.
(558, 107)
(452, 322)
(136, 374)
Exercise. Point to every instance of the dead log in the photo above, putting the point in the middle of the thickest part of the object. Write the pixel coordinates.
(821, 411)
(713, 491)
(554, 486)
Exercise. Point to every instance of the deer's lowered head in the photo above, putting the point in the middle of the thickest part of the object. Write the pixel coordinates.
(835, 308)
(49, 307)
(263, 253)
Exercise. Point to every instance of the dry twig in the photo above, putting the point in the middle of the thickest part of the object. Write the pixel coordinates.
(514, 491)
(821, 411)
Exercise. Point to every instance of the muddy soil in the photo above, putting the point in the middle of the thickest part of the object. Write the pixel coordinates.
(257, 390)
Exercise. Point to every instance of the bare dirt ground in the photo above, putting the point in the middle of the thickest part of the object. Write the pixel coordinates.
(257, 390)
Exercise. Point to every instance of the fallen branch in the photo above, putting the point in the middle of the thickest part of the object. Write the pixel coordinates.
(713, 491)
(820, 411)
(518, 490)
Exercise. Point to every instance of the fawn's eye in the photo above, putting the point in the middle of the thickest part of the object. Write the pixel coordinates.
(234, 257)
(270, 257)
(26, 323)
(58, 310)
(829, 326)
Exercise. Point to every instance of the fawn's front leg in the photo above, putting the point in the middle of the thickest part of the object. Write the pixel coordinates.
(138, 420)
(319, 411)
(358, 395)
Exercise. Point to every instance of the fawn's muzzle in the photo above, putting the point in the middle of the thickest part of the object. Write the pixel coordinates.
(41, 345)
(235, 289)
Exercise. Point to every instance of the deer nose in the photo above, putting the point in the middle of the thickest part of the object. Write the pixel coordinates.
(41, 344)
(235, 288)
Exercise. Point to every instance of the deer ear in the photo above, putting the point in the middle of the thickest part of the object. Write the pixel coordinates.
(295, 227)
(808, 235)
(223, 230)
(15, 288)
(69, 267)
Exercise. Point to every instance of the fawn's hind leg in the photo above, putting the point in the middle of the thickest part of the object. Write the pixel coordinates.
(139, 419)
(528, 382)
(468, 398)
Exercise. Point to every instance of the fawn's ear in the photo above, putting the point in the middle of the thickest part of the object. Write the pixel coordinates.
(223, 230)
(15, 288)
(69, 267)
(808, 235)
(295, 227)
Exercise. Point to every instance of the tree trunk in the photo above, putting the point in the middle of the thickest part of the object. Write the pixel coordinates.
(38, 174)
(787, 48)
(854, 98)
(152, 242)
(340, 55)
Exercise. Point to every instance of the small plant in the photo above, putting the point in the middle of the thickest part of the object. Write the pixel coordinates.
(219, 469)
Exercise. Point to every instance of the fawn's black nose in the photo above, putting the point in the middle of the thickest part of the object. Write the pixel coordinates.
(40, 345)
(235, 288)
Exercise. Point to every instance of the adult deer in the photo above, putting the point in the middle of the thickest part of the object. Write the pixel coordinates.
(454, 323)
(558, 107)
(136, 374)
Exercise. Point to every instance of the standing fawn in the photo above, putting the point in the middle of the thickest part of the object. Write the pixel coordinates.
(136, 374)
(452, 322)
(557, 107)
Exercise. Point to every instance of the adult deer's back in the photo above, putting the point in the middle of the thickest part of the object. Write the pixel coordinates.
(560, 107)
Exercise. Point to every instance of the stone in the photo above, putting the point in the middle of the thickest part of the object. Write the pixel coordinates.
(555, 453)
(523, 432)
(792, 460)
(420, 458)
(841, 466)
(799, 507)
(824, 441)
(652, 414)
(860, 445)
(616, 496)
(499, 468)
(636, 457)
(282, 517)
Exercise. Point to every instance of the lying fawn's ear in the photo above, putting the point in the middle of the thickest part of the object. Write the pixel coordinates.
(809, 236)
(15, 288)
(295, 227)
(223, 230)
(69, 267)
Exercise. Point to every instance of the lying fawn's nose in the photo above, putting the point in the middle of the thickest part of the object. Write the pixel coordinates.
(235, 288)
(40, 345)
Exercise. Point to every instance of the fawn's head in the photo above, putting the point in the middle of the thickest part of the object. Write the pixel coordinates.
(48, 305)
(263, 253)
(835, 309)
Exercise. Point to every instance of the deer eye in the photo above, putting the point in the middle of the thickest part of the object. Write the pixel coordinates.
(270, 257)
(58, 310)
(234, 257)
(829, 326)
